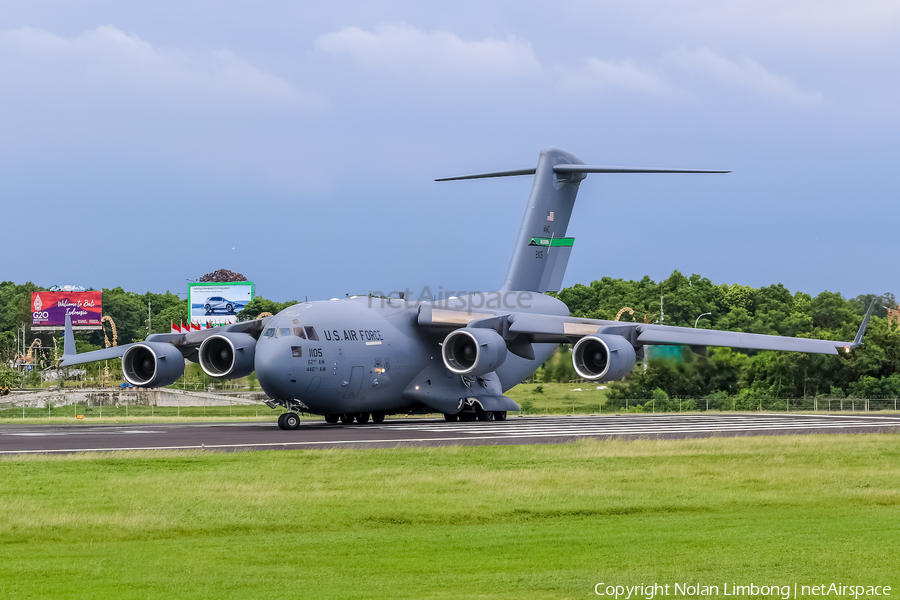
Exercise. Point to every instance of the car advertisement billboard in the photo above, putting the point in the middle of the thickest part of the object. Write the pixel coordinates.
(218, 303)
(49, 310)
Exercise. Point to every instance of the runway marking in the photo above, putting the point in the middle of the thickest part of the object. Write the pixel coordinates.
(625, 425)
(541, 428)
(76, 432)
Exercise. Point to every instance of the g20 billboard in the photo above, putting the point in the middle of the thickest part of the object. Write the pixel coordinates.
(218, 303)
(49, 310)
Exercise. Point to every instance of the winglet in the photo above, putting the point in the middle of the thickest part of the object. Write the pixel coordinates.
(69, 339)
(857, 341)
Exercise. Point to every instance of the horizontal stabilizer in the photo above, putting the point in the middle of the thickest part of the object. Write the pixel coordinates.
(605, 169)
(567, 168)
(509, 173)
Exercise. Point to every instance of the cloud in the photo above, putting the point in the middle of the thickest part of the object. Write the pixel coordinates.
(744, 73)
(615, 75)
(107, 60)
(835, 25)
(400, 47)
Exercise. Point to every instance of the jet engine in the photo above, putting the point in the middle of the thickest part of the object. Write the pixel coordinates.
(228, 355)
(152, 364)
(602, 357)
(473, 351)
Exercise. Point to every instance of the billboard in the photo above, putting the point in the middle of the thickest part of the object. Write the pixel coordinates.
(218, 303)
(49, 310)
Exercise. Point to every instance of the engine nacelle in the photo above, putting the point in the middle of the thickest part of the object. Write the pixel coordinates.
(228, 355)
(473, 351)
(152, 364)
(602, 357)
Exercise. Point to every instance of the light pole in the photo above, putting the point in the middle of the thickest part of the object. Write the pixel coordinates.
(700, 317)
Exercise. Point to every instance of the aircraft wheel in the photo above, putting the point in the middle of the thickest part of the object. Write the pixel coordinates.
(483, 415)
(362, 418)
(291, 420)
(281, 421)
(499, 415)
(331, 418)
(346, 419)
(451, 418)
(467, 416)
(378, 417)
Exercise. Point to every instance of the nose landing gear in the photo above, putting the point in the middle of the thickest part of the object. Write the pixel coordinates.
(289, 420)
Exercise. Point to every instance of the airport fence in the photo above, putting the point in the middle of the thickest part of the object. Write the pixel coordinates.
(743, 404)
(117, 404)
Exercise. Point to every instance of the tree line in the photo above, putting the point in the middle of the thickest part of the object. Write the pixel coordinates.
(135, 316)
(746, 377)
(872, 370)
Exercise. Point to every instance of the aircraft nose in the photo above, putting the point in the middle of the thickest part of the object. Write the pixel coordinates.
(270, 369)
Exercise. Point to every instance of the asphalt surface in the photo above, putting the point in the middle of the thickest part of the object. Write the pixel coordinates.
(30, 439)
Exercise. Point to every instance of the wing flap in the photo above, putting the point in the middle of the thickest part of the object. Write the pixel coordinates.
(649, 335)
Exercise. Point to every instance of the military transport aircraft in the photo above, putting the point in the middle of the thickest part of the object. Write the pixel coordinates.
(365, 357)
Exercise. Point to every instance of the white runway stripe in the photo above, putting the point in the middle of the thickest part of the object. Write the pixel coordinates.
(604, 426)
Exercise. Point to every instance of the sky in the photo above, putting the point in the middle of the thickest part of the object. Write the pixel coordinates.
(143, 145)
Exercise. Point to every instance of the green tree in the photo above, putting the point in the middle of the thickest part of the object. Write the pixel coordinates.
(260, 305)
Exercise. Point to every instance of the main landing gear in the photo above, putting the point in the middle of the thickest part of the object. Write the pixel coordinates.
(481, 415)
(360, 418)
(289, 420)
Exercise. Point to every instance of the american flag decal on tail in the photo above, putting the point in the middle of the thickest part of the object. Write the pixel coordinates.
(550, 216)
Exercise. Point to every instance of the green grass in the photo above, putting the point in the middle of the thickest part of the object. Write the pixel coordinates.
(559, 398)
(453, 522)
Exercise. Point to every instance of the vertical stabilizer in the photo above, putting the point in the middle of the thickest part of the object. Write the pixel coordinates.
(542, 249)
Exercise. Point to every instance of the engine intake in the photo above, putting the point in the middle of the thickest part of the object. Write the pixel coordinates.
(602, 357)
(152, 364)
(228, 355)
(473, 351)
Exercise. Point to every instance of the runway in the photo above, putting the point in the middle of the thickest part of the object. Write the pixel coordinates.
(34, 439)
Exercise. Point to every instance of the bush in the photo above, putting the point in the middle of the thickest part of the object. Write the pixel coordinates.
(719, 400)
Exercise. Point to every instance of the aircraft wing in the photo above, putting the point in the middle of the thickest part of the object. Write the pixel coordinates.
(186, 343)
(540, 328)
(562, 329)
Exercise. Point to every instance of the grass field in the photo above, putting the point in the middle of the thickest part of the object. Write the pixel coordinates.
(454, 522)
(559, 398)
(554, 398)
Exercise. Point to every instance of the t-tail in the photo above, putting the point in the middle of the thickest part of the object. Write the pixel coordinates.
(542, 249)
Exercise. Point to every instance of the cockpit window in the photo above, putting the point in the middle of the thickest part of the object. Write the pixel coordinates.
(311, 334)
(285, 331)
(298, 331)
(270, 332)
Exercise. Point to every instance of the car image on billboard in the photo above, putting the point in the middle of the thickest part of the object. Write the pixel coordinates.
(219, 304)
